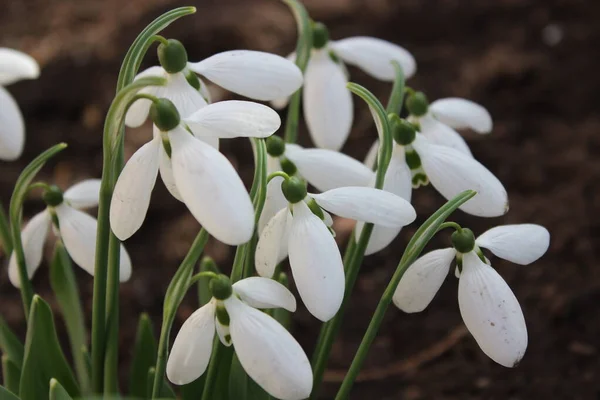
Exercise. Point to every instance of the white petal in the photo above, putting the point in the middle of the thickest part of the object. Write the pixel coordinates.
(398, 180)
(166, 173)
(184, 96)
(254, 74)
(281, 102)
(316, 264)
(374, 56)
(211, 189)
(131, 196)
(274, 202)
(521, 244)
(367, 204)
(224, 333)
(272, 247)
(16, 65)
(261, 292)
(462, 113)
(124, 265)
(83, 194)
(33, 237)
(327, 103)
(491, 312)
(451, 173)
(230, 119)
(12, 127)
(442, 134)
(422, 280)
(138, 111)
(191, 350)
(371, 157)
(268, 352)
(328, 169)
(204, 91)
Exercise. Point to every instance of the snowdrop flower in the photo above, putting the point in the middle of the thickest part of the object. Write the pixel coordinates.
(14, 66)
(437, 121)
(254, 74)
(301, 230)
(267, 351)
(488, 307)
(327, 103)
(324, 169)
(193, 171)
(76, 229)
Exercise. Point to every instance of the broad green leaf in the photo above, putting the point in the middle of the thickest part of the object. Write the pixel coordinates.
(144, 357)
(10, 345)
(6, 394)
(57, 392)
(165, 390)
(193, 391)
(64, 285)
(238, 380)
(11, 374)
(43, 359)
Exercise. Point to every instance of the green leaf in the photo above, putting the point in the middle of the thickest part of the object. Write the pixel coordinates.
(5, 237)
(64, 285)
(5, 394)
(144, 357)
(165, 390)
(57, 392)
(396, 98)
(238, 380)
(16, 215)
(10, 345)
(11, 374)
(193, 391)
(43, 359)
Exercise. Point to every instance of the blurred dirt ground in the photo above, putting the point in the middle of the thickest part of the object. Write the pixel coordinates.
(532, 63)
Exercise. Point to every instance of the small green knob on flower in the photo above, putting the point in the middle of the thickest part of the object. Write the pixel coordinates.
(320, 35)
(294, 189)
(403, 131)
(164, 114)
(52, 196)
(275, 146)
(417, 104)
(172, 56)
(220, 287)
(463, 240)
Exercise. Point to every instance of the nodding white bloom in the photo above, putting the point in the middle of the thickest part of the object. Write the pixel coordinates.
(254, 74)
(76, 229)
(266, 350)
(438, 120)
(14, 66)
(488, 307)
(327, 103)
(324, 169)
(193, 171)
(302, 231)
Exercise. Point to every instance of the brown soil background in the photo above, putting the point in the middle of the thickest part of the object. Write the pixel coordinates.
(544, 147)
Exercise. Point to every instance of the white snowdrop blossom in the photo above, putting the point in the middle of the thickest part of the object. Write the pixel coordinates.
(302, 232)
(254, 74)
(443, 116)
(14, 66)
(266, 350)
(488, 307)
(193, 171)
(327, 103)
(76, 229)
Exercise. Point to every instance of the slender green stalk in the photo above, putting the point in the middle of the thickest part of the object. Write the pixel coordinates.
(5, 239)
(303, 50)
(213, 366)
(396, 99)
(413, 250)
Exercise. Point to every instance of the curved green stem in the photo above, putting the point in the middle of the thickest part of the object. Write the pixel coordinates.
(450, 224)
(5, 239)
(414, 248)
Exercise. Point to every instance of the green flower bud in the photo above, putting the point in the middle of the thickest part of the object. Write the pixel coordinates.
(412, 159)
(463, 240)
(53, 196)
(320, 35)
(287, 166)
(417, 104)
(164, 114)
(404, 132)
(220, 287)
(294, 189)
(172, 56)
(275, 146)
(316, 209)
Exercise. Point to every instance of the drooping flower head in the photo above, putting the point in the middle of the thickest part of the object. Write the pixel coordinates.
(76, 229)
(267, 351)
(488, 307)
(14, 66)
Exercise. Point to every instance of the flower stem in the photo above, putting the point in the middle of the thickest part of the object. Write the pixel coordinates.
(5, 239)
